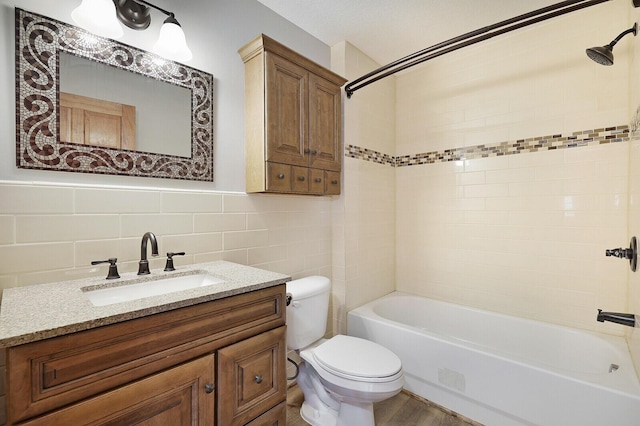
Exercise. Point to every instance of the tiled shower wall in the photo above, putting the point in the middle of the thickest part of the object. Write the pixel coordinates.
(364, 215)
(53, 232)
(523, 234)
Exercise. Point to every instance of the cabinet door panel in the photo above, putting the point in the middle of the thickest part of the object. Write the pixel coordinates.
(324, 124)
(277, 416)
(287, 86)
(174, 397)
(251, 377)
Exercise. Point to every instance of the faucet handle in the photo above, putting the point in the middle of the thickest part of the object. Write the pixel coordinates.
(630, 254)
(169, 266)
(113, 268)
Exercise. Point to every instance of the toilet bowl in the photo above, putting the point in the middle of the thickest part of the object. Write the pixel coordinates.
(340, 377)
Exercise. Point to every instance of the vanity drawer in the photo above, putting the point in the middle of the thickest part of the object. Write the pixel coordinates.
(251, 377)
(66, 369)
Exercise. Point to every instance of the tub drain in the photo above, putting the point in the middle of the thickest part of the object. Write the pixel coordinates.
(613, 367)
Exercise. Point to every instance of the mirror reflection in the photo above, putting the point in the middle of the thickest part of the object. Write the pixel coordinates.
(155, 116)
(92, 105)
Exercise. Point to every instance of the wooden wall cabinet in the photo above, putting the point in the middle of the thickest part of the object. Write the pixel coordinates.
(293, 121)
(220, 362)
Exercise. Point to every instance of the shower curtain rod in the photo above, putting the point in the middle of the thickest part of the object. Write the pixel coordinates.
(468, 39)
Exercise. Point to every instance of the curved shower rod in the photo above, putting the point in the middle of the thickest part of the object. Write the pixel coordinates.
(470, 38)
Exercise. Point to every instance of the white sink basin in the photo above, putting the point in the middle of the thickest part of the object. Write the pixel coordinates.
(126, 293)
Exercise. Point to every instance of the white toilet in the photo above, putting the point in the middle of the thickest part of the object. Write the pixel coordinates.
(340, 377)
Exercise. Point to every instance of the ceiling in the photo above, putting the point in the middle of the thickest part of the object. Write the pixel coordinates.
(387, 30)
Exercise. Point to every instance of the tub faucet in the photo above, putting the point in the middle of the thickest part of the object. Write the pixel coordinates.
(143, 265)
(624, 319)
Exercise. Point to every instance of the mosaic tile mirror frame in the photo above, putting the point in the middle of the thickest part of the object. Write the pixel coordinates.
(39, 40)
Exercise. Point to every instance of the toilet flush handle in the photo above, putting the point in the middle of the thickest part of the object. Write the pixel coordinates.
(290, 301)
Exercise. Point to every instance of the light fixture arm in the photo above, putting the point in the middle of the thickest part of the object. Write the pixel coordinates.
(155, 7)
(135, 13)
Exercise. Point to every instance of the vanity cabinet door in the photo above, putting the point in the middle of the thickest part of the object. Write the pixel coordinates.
(251, 377)
(180, 396)
(277, 416)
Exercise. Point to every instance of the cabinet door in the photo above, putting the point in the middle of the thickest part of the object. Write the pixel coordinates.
(180, 396)
(277, 416)
(325, 121)
(251, 377)
(287, 87)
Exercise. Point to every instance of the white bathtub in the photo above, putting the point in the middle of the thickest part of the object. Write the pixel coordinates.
(502, 370)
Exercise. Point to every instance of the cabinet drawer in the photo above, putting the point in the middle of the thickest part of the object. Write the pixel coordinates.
(251, 377)
(332, 183)
(51, 373)
(316, 181)
(279, 177)
(300, 179)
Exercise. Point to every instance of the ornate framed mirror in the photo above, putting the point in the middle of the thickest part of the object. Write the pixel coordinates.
(72, 132)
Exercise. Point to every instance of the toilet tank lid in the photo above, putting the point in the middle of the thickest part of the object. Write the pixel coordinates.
(308, 286)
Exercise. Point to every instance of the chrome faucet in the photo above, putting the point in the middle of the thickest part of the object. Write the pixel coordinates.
(143, 265)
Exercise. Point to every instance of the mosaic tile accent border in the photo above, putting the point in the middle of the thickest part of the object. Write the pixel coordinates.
(590, 137)
(38, 145)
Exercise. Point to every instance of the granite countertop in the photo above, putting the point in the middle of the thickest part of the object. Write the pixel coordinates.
(38, 312)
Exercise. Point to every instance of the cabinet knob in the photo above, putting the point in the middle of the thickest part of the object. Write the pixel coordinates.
(314, 152)
(335, 182)
(281, 176)
(318, 180)
(307, 150)
(209, 387)
(258, 378)
(301, 178)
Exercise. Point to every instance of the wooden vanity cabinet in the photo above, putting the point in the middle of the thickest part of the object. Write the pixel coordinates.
(293, 121)
(219, 362)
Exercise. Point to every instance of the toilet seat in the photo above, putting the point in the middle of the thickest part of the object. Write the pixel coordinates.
(357, 359)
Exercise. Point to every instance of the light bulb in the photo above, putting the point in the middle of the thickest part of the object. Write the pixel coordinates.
(172, 43)
(98, 17)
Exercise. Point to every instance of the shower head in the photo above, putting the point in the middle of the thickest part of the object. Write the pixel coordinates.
(604, 55)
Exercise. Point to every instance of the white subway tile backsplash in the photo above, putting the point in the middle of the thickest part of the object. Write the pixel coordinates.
(25, 199)
(20, 258)
(43, 228)
(104, 201)
(159, 224)
(64, 228)
(191, 202)
(7, 230)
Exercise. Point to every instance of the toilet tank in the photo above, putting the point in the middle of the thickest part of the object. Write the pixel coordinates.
(308, 311)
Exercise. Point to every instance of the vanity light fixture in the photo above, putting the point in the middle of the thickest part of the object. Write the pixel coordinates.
(101, 17)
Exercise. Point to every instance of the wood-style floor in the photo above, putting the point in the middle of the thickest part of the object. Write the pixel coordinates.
(403, 409)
